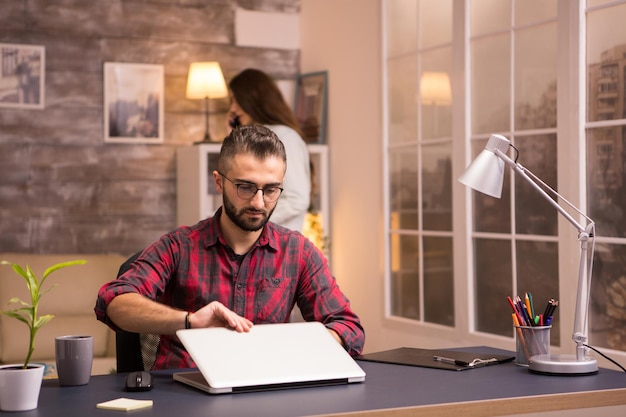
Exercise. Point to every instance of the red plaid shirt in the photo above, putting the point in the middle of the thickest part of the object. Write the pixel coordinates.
(191, 266)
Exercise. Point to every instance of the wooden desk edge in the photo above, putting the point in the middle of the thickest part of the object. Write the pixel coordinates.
(504, 406)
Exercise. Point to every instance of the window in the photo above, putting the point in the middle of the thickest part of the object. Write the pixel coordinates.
(513, 91)
(510, 79)
(420, 147)
(606, 174)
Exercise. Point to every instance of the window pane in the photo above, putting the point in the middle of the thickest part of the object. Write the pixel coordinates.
(492, 214)
(493, 283)
(437, 186)
(538, 273)
(436, 94)
(401, 26)
(607, 326)
(435, 22)
(491, 71)
(606, 62)
(405, 290)
(402, 83)
(403, 189)
(533, 214)
(438, 281)
(531, 11)
(535, 77)
(606, 193)
(488, 16)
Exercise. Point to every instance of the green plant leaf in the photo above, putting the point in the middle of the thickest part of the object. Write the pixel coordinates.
(41, 294)
(18, 269)
(32, 282)
(16, 315)
(41, 320)
(59, 266)
(16, 300)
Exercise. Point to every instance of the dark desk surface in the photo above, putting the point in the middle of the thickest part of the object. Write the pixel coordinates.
(402, 388)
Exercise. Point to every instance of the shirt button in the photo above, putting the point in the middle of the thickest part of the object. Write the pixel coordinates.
(276, 281)
(239, 286)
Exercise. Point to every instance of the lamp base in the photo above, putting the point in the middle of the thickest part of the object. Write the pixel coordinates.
(200, 142)
(552, 364)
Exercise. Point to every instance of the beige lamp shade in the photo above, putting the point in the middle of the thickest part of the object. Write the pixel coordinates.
(206, 80)
(435, 88)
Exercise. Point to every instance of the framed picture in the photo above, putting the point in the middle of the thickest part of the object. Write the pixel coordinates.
(133, 103)
(22, 75)
(310, 105)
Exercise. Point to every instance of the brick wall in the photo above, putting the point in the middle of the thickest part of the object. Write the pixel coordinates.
(62, 189)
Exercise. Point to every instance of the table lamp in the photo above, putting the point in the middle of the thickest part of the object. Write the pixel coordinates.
(435, 88)
(486, 175)
(435, 92)
(205, 80)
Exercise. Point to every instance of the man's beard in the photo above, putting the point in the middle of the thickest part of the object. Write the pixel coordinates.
(239, 218)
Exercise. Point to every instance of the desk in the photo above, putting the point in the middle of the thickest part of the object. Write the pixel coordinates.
(388, 390)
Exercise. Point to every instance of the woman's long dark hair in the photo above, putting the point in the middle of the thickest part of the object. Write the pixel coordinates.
(258, 95)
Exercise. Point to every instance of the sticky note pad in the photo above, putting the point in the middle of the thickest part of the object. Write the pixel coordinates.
(124, 404)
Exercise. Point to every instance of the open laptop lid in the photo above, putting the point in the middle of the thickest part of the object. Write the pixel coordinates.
(270, 356)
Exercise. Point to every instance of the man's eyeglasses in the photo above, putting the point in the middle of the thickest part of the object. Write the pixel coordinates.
(247, 191)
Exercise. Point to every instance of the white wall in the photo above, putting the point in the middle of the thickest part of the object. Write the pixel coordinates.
(343, 37)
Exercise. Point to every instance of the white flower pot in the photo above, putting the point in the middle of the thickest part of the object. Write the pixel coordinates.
(19, 388)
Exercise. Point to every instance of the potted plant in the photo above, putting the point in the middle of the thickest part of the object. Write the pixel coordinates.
(20, 383)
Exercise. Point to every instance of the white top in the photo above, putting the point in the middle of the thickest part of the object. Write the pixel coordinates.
(294, 202)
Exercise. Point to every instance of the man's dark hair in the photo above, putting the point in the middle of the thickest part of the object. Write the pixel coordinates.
(256, 140)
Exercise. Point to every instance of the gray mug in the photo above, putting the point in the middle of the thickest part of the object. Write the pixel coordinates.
(74, 356)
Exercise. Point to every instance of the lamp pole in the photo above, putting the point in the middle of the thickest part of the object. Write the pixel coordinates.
(207, 135)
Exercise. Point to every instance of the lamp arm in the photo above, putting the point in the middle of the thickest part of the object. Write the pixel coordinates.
(584, 270)
(523, 172)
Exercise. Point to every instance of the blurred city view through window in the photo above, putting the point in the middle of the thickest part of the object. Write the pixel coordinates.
(513, 86)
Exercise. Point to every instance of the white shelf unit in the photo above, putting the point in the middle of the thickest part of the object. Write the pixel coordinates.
(198, 199)
(196, 196)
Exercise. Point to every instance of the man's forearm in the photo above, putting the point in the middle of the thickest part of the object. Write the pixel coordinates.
(136, 313)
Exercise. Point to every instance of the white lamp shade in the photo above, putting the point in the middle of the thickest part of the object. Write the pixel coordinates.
(486, 173)
(206, 80)
(435, 88)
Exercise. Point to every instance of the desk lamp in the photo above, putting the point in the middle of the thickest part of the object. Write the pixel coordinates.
(486, 175)
(205, 80)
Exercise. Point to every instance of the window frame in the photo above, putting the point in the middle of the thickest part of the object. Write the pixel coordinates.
(571, 173)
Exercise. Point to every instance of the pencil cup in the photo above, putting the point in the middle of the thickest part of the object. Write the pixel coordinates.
(74, 356)
(531, 341)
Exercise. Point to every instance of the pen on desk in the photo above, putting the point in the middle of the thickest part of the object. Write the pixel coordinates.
(450, 360)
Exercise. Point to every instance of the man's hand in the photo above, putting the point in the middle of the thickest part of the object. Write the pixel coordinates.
(215, 314)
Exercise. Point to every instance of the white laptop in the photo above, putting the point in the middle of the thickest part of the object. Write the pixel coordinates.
(269, 356)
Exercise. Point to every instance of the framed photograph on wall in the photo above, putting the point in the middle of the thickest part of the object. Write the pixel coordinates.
(22, 75)
(310, 105)
(133, 103)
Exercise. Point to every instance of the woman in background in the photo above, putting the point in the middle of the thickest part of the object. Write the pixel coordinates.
(256, 99)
